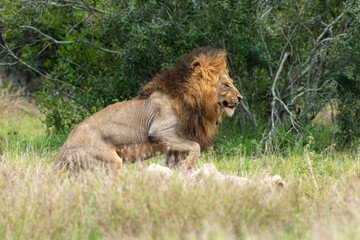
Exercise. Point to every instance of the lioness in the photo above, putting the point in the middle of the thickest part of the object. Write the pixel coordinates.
(174, 114)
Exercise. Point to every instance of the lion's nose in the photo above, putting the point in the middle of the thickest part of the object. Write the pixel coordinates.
(239, 97)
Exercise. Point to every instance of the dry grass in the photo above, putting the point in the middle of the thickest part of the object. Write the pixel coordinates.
(12, 104)
(37, 203)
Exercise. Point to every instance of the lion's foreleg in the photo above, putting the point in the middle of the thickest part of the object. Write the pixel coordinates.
(173, 158)
(191, 148)
(164, 131)
(189, 163)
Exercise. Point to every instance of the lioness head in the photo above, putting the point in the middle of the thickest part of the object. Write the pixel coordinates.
(228, 95)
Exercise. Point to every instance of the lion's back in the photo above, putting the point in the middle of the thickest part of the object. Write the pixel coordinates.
(117, 125)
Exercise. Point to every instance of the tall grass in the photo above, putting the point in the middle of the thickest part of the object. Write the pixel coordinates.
(37, 203)
(321, 200)
(12, 104)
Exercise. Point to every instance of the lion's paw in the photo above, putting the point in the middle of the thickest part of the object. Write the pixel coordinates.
(272, 180)
(158, 170)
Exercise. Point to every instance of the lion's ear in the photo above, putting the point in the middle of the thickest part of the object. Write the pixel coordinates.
(195, 64)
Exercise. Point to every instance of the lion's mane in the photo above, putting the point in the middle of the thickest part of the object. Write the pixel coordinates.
(191, 86)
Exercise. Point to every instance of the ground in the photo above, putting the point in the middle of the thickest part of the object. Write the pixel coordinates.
(321, 200)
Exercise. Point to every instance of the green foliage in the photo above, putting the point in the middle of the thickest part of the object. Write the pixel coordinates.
(90, 54)
(143, 37)
(318, 139)
(346, 70)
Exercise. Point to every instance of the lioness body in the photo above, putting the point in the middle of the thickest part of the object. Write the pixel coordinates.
(174, 114)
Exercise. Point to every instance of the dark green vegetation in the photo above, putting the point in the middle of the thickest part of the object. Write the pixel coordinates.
(290, 59)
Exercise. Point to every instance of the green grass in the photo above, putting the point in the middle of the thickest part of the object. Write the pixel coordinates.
(38, 203)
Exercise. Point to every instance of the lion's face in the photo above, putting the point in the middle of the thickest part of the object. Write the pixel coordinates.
(228, 95)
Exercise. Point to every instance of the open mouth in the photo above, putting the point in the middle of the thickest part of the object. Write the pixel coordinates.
(228, 105)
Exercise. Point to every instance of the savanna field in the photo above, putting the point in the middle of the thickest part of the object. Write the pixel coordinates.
(321, 199)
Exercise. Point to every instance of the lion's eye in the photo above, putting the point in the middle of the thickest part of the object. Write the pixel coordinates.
(227, 85)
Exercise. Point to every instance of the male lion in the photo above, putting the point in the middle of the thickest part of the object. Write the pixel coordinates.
(174, 114)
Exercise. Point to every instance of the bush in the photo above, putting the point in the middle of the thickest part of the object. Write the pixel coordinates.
(119, 46)
(345, 68)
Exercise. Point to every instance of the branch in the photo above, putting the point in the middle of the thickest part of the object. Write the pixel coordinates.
(48, 37)
(9, 64)
(329, 26)
(297, 77)
(318, 40)
(266, 13)
(251, 116)
(18, 60)
(273, 91)
(267, 52)
(276, 98)
(313, 52)
(69, 42)
(278, 72)
(311, 171)
(73, 4)
(338, 36)
(11, 53)
(288, 40)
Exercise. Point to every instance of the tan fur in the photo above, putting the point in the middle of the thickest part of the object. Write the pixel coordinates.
(174, 114)
(208, 173)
